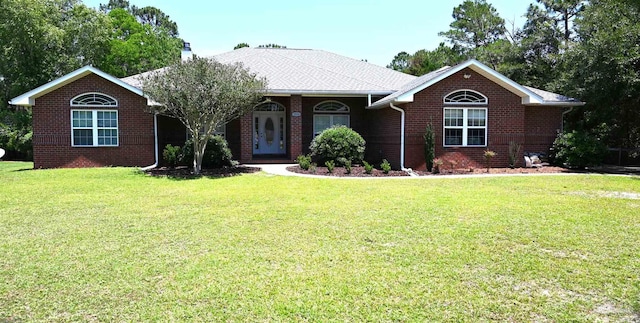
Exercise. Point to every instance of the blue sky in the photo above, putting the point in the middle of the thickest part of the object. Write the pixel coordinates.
(375, 30)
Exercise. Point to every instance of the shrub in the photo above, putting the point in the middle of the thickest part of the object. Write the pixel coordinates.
(16, 135)
(304, 161)
(514, 153)
(171, 155)
(216, 155)
(488, 156)
(437, 164)
(312, 167)
(579, 149)
(330, 165)
(368, 168)
(347, 166)
(429, 146)
(338, 142)
(385, 166)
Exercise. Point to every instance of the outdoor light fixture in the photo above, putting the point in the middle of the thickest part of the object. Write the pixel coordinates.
(467, 76)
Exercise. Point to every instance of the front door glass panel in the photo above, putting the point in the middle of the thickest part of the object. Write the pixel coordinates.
(269, 130)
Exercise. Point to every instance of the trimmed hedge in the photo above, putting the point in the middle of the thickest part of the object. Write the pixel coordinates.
(338, 143)
(216, 155)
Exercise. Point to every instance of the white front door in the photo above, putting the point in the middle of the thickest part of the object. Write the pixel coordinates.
(269, 137)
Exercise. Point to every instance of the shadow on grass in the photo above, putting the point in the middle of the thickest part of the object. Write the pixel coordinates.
(185, 173)
(23, 169)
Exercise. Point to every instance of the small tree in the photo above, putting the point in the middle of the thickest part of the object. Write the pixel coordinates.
(514, 153)
(203, 94)
(488, 156)
(429, 146)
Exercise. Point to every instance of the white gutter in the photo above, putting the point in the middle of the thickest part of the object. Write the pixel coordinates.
(402, 118)
(155, 142)
(562, 121)
(369, 98)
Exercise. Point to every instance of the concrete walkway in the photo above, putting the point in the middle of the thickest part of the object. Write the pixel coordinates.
(281, 170)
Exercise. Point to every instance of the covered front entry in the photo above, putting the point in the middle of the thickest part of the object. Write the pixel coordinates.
(269, 130)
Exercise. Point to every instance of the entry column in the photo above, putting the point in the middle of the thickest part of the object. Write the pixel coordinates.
(295, 137)
(246, 137)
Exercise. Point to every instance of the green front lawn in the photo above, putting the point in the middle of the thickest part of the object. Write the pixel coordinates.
(113, 244)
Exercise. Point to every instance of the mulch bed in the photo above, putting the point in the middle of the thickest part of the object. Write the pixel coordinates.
(517, 170)
(187, 172)
(358, 171)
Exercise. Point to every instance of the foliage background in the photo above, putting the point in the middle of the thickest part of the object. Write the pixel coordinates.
(584, 49)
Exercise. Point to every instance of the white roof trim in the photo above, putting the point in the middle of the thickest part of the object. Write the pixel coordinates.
(527, 96)
(29, 98)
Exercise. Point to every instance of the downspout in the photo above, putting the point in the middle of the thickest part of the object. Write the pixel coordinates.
(562, 121)
(155, 143)
(402, 118)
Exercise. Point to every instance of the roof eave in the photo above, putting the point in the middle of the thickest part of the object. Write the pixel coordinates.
(558, 104)
(528, 97)
(288, 92)
(28, 99)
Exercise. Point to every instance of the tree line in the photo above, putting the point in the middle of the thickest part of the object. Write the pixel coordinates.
(584, 49)
(42, 40)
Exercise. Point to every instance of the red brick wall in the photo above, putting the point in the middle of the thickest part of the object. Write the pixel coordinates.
(295, 127)
(383, 137)
(52, 129)
(542, 127)
(233, 136)
(505, 123)
(505, 116)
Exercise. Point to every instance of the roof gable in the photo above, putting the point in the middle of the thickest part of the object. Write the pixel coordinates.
(529, 96)
(28, 99)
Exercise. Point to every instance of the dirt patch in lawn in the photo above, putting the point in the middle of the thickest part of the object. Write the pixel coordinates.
(358, 171)
(187, 172)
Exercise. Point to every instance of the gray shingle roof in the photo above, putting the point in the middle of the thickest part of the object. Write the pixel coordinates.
(551, 97)
(410, 86)
(312, 71)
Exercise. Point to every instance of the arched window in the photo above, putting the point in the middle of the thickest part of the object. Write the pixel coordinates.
(331, 106)
(465, 126)
(269, 106)
(94, 127)
(93, 99)
(329, 114)
(465, 97)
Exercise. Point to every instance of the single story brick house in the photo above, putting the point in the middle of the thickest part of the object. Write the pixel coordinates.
(89, 118)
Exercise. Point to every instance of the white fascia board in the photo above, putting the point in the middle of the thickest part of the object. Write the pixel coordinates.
(528, 97)
(557, 104)
(320, 93)
(28, 99)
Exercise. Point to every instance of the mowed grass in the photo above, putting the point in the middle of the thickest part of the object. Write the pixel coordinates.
(113, 244)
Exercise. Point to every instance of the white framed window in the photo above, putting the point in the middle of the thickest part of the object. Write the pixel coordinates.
(465, 127)
(269, 106)
(328, 114)
(93, 128)
(93, 99)
(465, 97)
